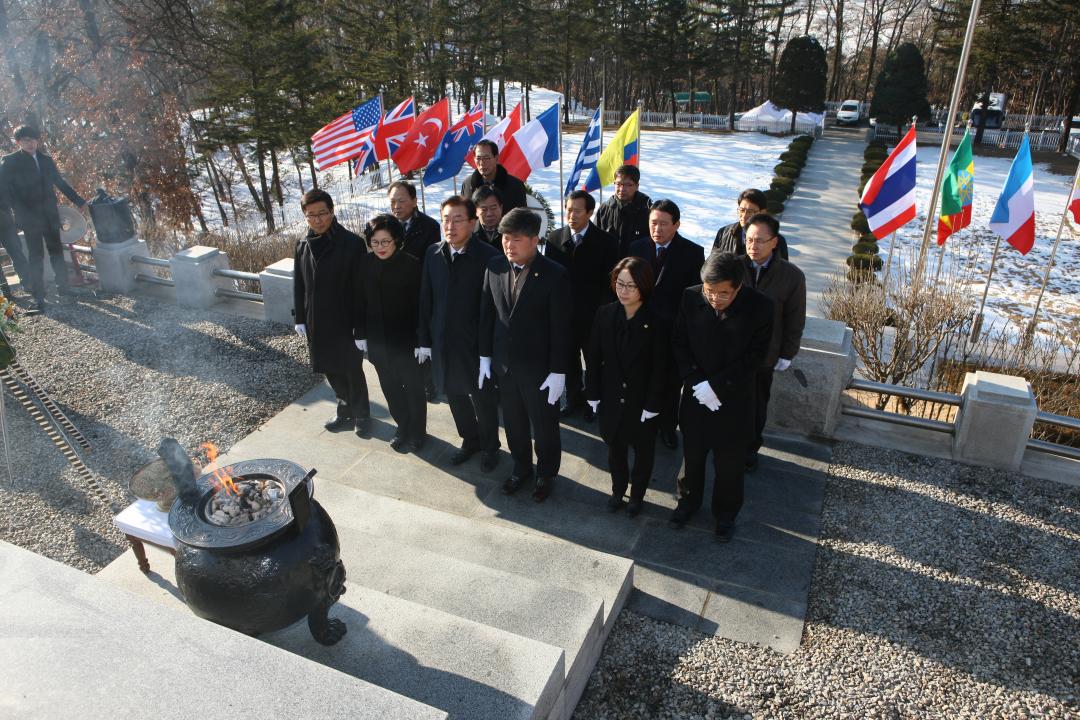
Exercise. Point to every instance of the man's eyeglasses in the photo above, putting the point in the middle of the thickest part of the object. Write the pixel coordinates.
(748, 210)
(319, 215)
(381, 243)
(625, 286)
(717, 296)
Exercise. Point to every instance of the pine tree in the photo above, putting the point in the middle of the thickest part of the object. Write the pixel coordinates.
(800, 77)
(900, 90)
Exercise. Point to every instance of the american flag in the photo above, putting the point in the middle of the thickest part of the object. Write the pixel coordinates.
(347, 137)
(393, 128)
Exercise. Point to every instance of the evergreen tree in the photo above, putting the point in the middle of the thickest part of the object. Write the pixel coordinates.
(800, 77)
(900, 90)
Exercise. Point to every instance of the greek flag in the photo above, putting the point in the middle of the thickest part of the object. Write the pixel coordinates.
(587, 155)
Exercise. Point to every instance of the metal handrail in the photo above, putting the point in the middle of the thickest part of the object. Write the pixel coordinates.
(81, 248)
(155, 280)
(238, 294)
(235, 274)
(144, 260)
(906, 392)
(1053, 448)
(1060, 420)
(898, 419)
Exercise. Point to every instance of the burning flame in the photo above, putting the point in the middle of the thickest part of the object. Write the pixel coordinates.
(222, 478)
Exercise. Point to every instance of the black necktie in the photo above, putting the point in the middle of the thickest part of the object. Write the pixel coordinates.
(517, 269)
(661, 252)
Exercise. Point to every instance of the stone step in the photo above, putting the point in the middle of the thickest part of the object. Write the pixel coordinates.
(467, 669)
(75, 646)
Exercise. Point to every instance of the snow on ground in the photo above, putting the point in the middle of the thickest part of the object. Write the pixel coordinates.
(702, 172)
(1015, 284)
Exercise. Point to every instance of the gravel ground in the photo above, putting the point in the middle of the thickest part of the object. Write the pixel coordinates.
(128, 371)
(940, 591)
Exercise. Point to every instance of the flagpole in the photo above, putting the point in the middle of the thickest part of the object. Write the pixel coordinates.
(888, 261)
(976, 327)
(961, 69)
(1053, 253)
(640, 106)
(423, 202)
(562, 182)
(601, 135)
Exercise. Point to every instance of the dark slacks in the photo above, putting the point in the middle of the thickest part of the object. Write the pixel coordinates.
(350, 387)
(643, 442)
(729, 461)
(476, 416)
(575, 377)
(669, 404)
(762, 389)
(402, 381)
(38, 240)
(527, 415)
(13, 247)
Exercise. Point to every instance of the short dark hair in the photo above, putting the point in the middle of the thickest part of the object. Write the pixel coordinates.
(314, 196)
(520, 221)
(484, 192)
(26, 131)
(755, 196)
(668, 207)
(458, 201)
(409, 187)
(590, 201)
(630, 171)
(723, 266)
(639, 270)
(490, 144)
(767, 220)
(387, 222)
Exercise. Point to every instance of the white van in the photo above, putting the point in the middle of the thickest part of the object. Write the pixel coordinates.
(848, 114)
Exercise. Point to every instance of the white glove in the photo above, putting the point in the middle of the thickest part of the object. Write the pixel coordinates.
(361, 345)
(782, 365)
(646, 415)
(422, 355)
(301, 330)
(485, 372)
(554, 384)
(712, 404)
(593, 404)
(704, 393)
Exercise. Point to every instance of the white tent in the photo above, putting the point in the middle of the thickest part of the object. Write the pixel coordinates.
(769, 116)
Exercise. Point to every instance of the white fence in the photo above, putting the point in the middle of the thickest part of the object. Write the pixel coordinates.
(701, 121)
(1004, 138)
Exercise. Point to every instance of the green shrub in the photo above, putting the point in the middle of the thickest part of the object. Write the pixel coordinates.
(865, 248)
(776, 196)
(870, 167)
(868, 237)
(775, 208)
(794, 158)
(786, 170)
(806, 140)
(860, 261)
(878, 155)
(859, 224)
(858, 277)
(783, 184)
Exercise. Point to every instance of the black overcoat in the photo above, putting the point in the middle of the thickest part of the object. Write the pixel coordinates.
(629, 378)
(626, 222)
(450, 295)
(729, 238)
(423, 232)
(589, 266)
(326, 297)
(725, 351)
(682, 268)
(391, 304)
(31, 193)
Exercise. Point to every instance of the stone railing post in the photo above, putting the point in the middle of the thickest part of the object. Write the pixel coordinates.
(826, 362)
(994, 421)
(115, 272)
(192, 271)
(277, 291)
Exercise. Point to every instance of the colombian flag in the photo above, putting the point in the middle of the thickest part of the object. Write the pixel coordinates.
(623, 150)
(956, 191)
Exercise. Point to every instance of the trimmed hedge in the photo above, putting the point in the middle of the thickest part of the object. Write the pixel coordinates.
(859, 224)
(868, 238)
(865, 248)
(775, 208)
(775, 196)
(806, 140)
(783, 184)
(796, 158)
(860, 261)
(786, 170)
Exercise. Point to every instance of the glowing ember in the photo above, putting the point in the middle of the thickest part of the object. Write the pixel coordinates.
(248, 500)
(221, 477)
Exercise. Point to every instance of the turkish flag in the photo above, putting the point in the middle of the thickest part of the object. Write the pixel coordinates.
(424, 137)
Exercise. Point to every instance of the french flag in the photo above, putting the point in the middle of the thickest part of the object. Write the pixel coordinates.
(888, 200)
(534, 146)
(1014, 215)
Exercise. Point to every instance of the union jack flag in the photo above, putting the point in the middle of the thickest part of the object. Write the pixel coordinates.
(366, 157)
(348, 136)
(393, 128)
(461, 136)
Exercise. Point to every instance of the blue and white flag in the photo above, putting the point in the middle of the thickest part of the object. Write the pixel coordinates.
(458, 140)
(587, 155)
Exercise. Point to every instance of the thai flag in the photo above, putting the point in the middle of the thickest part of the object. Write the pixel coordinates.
(888, 200)
(1014, 215)
(587, 156)
(534, 146)
(393, 128)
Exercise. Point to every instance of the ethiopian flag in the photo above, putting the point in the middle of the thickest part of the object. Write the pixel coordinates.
(956, 191)
(623, 150)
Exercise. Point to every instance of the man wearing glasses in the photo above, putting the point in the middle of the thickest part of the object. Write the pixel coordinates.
(721, 338)
(731, 238)
(625, 215)
(490, 172)
(326, 305)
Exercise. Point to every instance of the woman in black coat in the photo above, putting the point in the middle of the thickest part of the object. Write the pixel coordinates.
(624, 381)
(391, 297)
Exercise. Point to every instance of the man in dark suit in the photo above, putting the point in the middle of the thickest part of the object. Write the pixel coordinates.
(489, 211)
(9, 240)
(327, 304)
(525, 335)
(29, 178)
(731, 238)
(676, 264)
(625, 215)
(785, 284)
(421, 231)
(450, 298)
(590, 254)
(721, 337)
(490, 172)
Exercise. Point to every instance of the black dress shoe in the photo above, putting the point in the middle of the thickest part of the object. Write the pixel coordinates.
(589, 415)
(512, 484)
(614, 503)
(363, 427)
(489, 459)
(461, 455)
(542, 489)
(431, 396)
(669, 439)
(569, 410)
(337, 424)
(398, 444)
(724, 530)
(633, 508)
(416, 445)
